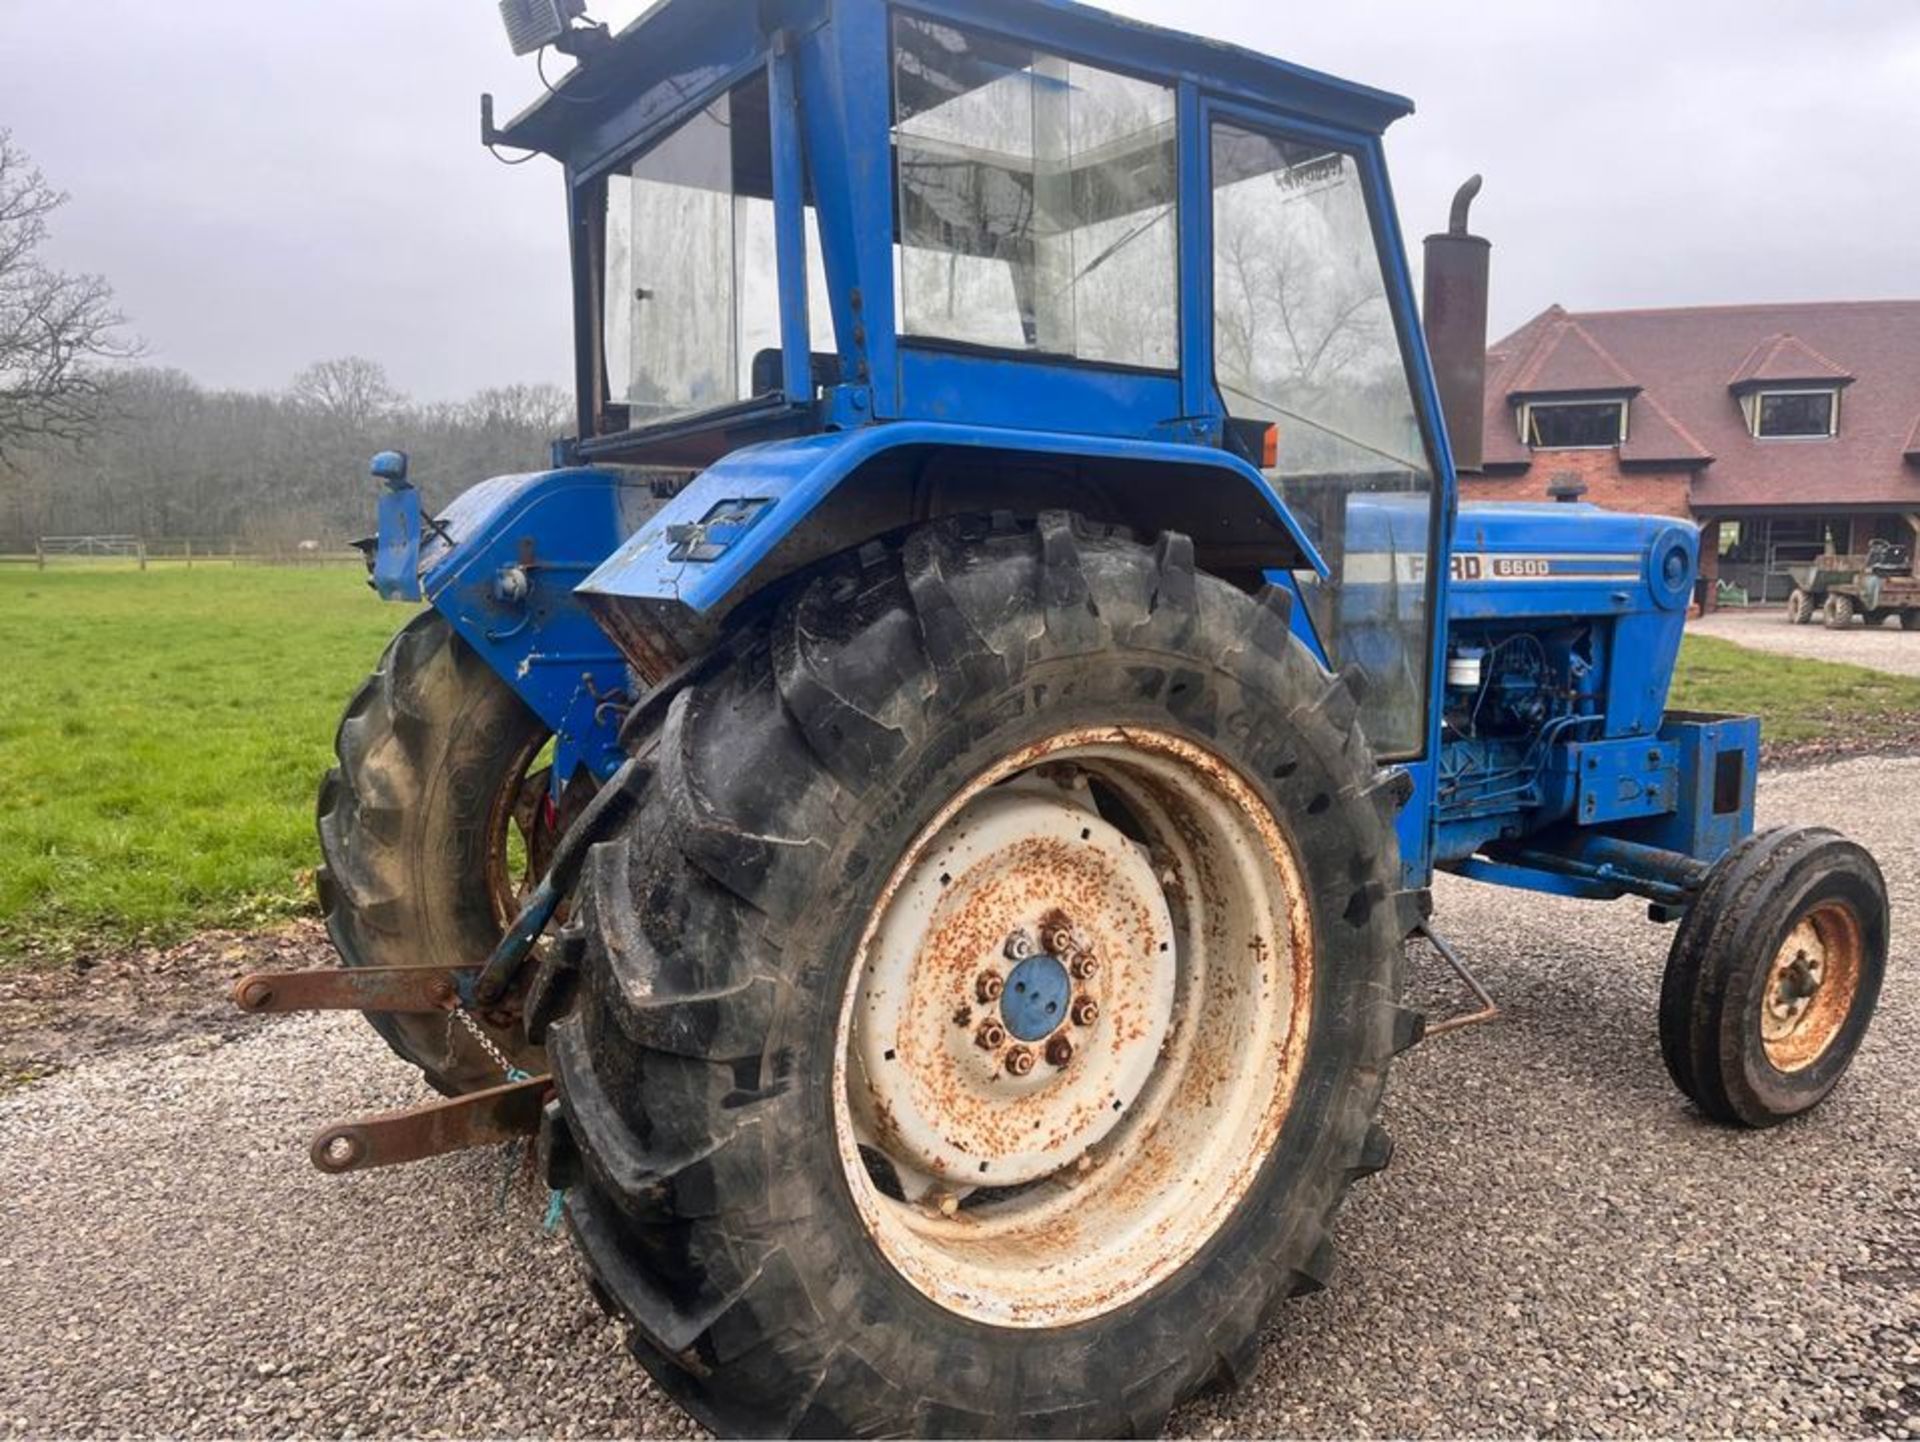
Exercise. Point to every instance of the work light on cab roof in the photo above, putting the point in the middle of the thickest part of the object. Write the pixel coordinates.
(927, 806)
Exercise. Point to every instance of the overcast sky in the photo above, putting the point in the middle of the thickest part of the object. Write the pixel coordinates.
(269, 183)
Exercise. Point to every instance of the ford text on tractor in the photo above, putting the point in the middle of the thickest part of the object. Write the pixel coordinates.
(923, 809)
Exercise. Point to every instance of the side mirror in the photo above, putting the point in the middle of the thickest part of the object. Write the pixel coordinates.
(391, 467)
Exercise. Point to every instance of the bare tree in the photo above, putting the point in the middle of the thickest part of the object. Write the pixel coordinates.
(537, 408)
(54, 327)
(351, 391)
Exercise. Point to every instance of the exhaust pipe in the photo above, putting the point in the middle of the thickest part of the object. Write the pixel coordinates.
(1455, 309)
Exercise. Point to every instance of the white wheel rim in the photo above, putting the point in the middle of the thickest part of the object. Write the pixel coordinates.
(1043, 1196)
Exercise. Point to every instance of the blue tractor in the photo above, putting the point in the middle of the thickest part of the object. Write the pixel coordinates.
(923, 808)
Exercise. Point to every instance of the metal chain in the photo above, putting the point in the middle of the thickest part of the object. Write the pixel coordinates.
(516, 1152)
(487, 1044)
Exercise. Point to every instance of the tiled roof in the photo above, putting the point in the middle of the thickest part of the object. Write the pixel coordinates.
(1782, 358)
(1568, 359)
(1653, 434)
(1688, 365)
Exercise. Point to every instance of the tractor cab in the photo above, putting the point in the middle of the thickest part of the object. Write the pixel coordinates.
(1077, 247)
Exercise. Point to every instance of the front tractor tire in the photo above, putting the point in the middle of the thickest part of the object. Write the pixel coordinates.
(977, 1025)
(429, 826)
(1838, 612)
(1773, 975)
(1801, 608)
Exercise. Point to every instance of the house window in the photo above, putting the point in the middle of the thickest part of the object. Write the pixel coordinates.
(1573, 425)
(1795, 413)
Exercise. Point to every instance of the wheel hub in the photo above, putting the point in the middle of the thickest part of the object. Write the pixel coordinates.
(1037, 996)
(1021, 986)
(1809, 988)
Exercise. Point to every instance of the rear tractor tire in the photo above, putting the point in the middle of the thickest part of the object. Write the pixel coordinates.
(438, 800)
(1800, 608)
(1839, 612)
(1773, 975)
(980, 1020)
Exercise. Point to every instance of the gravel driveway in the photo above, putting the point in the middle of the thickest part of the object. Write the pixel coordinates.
(1884, 648)
(1559, 1248)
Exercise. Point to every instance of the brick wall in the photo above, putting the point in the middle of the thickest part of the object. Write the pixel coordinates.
(1655, 493)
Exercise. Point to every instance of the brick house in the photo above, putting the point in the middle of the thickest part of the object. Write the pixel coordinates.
(1784, 430)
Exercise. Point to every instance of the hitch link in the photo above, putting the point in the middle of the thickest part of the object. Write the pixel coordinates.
(478, 1119)
(357, 988)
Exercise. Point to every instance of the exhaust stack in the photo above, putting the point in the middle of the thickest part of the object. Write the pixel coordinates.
(1455, 309)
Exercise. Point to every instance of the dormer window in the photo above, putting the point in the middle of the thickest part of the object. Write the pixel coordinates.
(1794, 414)
(1573, 425)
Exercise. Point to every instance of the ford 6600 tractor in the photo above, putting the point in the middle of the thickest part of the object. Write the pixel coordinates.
(922, 811)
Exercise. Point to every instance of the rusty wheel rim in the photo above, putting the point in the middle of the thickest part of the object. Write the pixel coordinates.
(1035, 1168)
(1810, 987)
(523, 827)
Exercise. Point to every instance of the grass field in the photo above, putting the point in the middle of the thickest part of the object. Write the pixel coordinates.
(162, 741)
(164, 735)
(1797, 700)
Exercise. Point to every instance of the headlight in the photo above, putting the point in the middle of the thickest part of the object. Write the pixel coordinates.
(534, 23)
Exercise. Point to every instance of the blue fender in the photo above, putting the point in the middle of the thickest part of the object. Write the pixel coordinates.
(503, 564)
(713, 544)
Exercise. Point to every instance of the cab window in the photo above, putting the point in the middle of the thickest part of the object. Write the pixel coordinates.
(1036, 201)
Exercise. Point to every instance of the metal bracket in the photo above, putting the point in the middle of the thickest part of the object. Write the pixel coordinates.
(357, 988)
(388, 1139)
(396, 561)
(1489, 1008)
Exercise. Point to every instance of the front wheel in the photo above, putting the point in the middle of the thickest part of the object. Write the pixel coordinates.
(1773, 975)
(1838, 612)
(987, 1008)
(1800, 608)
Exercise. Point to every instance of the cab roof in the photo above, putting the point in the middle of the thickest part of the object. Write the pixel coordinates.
(681, 49)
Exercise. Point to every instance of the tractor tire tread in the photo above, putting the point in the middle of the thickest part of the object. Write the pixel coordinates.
(386, 892)
(675, 1064)
(1709, 958)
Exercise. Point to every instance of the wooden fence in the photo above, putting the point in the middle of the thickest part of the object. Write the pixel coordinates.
(172, 551)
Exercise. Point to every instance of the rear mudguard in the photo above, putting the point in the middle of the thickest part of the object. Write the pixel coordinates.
(503, 563)
(767, 510)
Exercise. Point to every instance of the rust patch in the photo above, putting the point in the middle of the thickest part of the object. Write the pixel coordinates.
(1230, 1065)
(1810, 987)
(477, 1119)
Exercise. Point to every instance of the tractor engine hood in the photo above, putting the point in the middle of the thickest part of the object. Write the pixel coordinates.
(1513, 559)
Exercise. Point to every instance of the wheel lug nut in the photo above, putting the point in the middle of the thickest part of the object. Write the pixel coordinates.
(1085, 1011)
(1059, 1051)
(1019, 946)
(990, 1035)
(1019, 1061)
(988, 986)
(1085, 965)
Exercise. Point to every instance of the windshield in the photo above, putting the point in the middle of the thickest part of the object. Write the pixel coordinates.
(690, 307)
(1309, 359)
